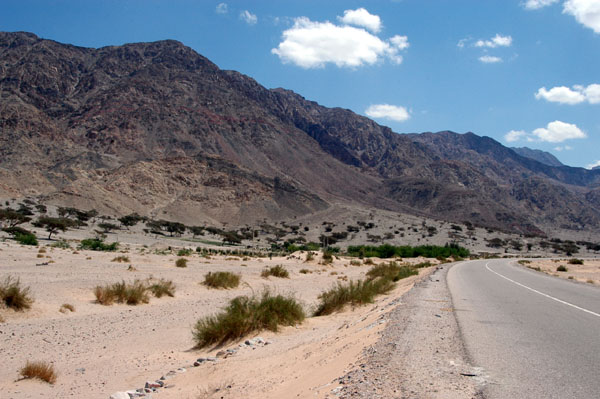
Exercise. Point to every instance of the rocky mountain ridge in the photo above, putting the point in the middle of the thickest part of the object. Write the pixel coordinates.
(158, 129)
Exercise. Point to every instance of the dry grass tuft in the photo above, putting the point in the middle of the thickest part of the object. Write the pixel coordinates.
(41, 370)
(275, 271)
(66, 307)
(121, 259)
(221, 280)
(13, 295)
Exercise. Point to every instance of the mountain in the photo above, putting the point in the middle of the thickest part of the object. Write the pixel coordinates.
(158, 129)
(538, 155)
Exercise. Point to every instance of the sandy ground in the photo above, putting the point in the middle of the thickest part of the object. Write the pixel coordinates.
(588, 273)
(98, 350)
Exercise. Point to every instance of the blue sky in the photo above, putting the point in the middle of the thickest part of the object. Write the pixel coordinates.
(525, 72)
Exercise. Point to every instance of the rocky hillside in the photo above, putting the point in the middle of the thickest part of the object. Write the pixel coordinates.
(158, 129)
(538, 155)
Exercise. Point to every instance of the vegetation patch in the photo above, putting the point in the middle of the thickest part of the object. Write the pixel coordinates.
(245, 315)
(181, 262)
(275, 271)
(134, 293)
(41, 370)
(390, 251)
(576, 261)
(97, 244)
(562, 268)
(14, 296)
(121, 259)
(353, 293)
(221, 280)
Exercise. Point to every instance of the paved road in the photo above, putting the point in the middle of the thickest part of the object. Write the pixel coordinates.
(535, 336)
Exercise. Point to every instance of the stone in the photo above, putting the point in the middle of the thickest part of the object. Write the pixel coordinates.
(119, 395)
(153, 384)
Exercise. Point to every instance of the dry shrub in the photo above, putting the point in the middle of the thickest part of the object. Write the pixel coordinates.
(275, 271)
(221, 280)
(162, 287)
(13, 295)
(41, 370)
(181, 262)
(121, 259)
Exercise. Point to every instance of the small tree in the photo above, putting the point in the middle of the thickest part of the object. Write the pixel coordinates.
(54, 225)
(13, 218)
(130, 220)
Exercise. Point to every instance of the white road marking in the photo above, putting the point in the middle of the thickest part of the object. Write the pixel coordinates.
(542, 294)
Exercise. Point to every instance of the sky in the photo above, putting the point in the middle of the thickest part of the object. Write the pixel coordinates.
(524, 72)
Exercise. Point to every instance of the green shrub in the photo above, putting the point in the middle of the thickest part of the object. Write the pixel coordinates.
(275, 271)
(97, 244)
(162, 287)
(184, 252)
(576, 261)
(245, 315)
(181, 262)
(353, 293)
(390, 251)
(14, 296)
(221, 280)
(562, 268)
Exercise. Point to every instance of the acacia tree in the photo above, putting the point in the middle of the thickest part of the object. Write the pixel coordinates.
(54, 225)
(13, 218)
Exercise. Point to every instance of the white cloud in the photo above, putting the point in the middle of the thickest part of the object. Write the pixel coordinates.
(496, 41)
(387, 111)
(311, 44)
(222, 8)
(514, 135)
(250, 18)
(563, 148)
(557, 132)
(361, 17)
(586, 12)
(593, 165)
(489, 59)
(571, 96)
(537, 4)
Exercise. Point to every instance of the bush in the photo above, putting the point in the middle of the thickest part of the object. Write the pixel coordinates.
(562, 268)
(576, 261)
(275, 271)
(354, 293)
(41, 370)
(427, 251)
(26, 239)
(124, 259)
(184, 252)
(131, 294)
(181, 262)
(391, 271)
(162, 287)
(221, 280)
(96, 244)
(327, 257)
(305, 271)
(245, 315)
(14, 296)
(63, 244)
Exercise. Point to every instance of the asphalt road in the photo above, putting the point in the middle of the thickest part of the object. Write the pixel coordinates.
(533, 335)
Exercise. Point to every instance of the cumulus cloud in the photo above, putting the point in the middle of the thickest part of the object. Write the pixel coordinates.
(311, 44)
(537, 4)
(222, 8)
(490, 59)
(586, 12)
(387, 111)
(496, 41)
(361, 17)
(514, 135)
(575, 95)
(557, 132)
(593, 165)
(250, 18)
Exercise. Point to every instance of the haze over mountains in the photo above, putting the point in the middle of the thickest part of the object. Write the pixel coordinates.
(158, 129)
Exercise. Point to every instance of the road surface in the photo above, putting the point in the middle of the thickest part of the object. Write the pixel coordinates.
(533, 335)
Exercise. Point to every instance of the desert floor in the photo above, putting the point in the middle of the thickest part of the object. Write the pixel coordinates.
(588, 272)
(98, 350)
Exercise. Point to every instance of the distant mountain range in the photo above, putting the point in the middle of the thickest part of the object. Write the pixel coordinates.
(538, 155)
(158, 129)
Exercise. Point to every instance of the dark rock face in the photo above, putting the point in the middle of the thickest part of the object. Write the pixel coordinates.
(538, 155)
(158, 129)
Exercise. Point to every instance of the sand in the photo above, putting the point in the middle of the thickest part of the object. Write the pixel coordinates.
(98, 350)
